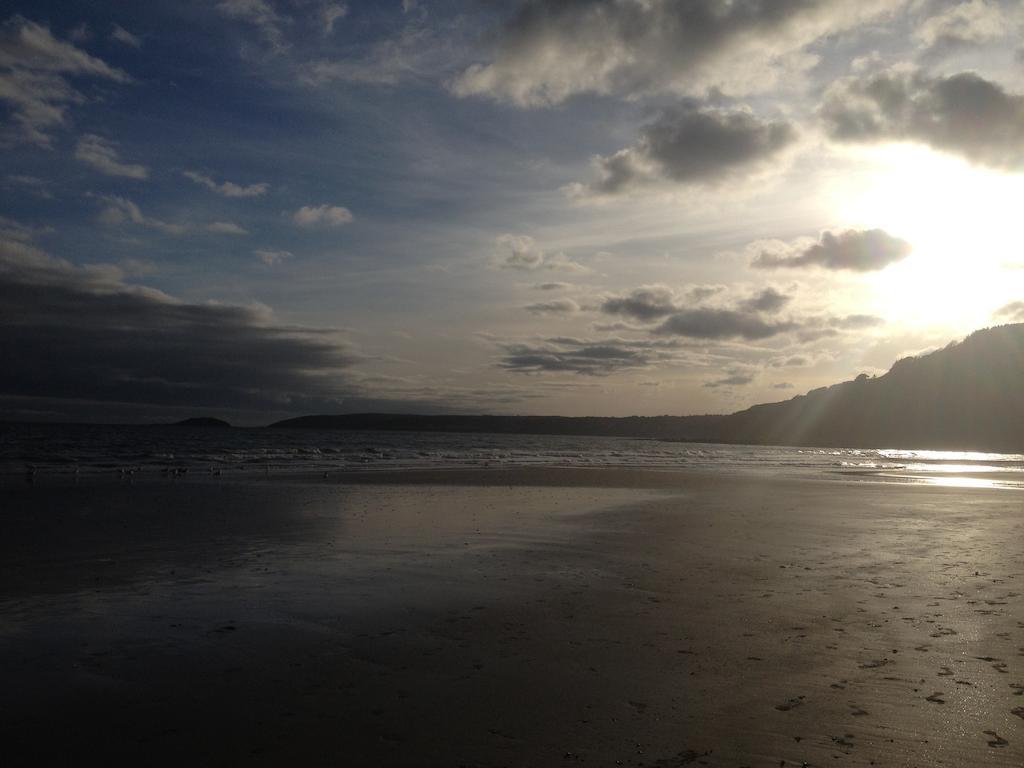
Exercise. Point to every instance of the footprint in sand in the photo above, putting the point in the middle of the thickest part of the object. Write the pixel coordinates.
(790, 704)
(840, 686)
(936, 698)
(1001, 667)
(856, 711)
(944, 672)
(875, 663)
(1018, 689)
(997, 740)
(1018, 711)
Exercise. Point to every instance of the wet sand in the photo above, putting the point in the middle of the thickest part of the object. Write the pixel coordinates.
(512, 618)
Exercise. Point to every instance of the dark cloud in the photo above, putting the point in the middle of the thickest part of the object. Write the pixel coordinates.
(647, 303)
(1013, 311)
(548, 50)
(588, 357)
(83, 333)
(768, 301)
(796, 361)
(556, 307)
(700, 292)
(691, 145)
(709, 323)
(597, 360)
(735, 380)
(782, 385)
(963, 114)
(553, 286)
(855, 250)
(809, 335)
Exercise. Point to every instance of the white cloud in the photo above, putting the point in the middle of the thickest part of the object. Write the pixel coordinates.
(522, 252)
(968, 23)
(330, 13)
(102, 155)
(227, 188)
(34, 67)
(120, 210)
(38, 187)
(413, 53)
(259, 13)
(122, 35)
(322, 215)
(226, 228)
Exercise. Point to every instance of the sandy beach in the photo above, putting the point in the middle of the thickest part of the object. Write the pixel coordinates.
(512, 618)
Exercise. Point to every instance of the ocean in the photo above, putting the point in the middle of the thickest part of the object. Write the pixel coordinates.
(36, 451)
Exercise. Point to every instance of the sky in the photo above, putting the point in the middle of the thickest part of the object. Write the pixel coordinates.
(265, 208)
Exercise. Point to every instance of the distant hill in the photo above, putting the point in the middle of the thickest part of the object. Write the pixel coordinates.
(967, 396)
(202, 421)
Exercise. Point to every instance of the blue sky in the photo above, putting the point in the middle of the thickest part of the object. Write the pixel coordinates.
(528, 207)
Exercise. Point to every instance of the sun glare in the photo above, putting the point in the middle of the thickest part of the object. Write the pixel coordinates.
(964, 225)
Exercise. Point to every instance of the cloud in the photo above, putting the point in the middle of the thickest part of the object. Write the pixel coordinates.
(322, 215)
(854, 250)
(227, 188)
(13, 230)
(122, 35)
(260, 14)
(856, 322)
(691, 145)
(581, 356)
(83, 333)
(34, 71)
(330, 13)
(414, 53)
(38, 187)
(119, 210)
(553, 286)
(795, 361)
(521, 252)
(734, 380)
(650, 303)
(1014, 311)
(556, 307)
(964, 24)
(226, 228)
(549, 50)
(768, 301)
(646, 303)
(102, 155)
(713, 323)
(783, 385)
(962, 114)
(273, 257)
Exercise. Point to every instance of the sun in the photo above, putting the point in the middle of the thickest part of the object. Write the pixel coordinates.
(965, 226)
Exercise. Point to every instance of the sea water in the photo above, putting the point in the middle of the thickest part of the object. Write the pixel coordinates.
(38, 450)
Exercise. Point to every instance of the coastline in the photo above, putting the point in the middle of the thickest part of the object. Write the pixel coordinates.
(515, 617)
